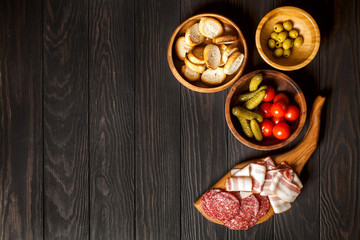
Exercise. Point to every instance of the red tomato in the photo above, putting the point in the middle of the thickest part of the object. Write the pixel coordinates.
(265, 109)
(276, 120)
(278, 109)
(281, 97)
(266, 127)
(291, 113)
(270, 93)
(281, 131)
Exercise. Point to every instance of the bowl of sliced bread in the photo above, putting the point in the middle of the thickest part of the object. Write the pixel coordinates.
(207, 53)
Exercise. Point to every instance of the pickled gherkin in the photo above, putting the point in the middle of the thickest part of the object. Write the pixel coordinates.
(255, 101)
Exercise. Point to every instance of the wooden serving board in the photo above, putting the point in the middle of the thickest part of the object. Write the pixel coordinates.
(296, 158)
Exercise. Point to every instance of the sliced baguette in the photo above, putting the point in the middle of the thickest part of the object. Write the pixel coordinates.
(182, 48)
(196, 55)
(229, 39)
(234, 62)
(212, 56)
(213, 77)
(200, 68)
(192, 35)
(190, 74)
(226, 53)
(210, 27)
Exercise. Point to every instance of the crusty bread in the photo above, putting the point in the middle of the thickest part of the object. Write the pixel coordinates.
(213, 77)
(200, 68)
(229, 39)
(190, 74)
(182, 48)
(210, 27)
(192, 35)
(233, 63)
(226, 53)
(196, 55)
(212, 56)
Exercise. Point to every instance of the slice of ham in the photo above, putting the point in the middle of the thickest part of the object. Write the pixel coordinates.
(296, 181)
(268, 179)
(243, 172)
(278, 204)
(284, 189)
(238, 184)
(257, 173)
(268, 163)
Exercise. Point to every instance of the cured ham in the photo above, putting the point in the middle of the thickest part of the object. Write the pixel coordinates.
(268, 179)
(284, 189)
(243, 172)
(257, 173)
(238, 184)
(279, 183)
(278, 204)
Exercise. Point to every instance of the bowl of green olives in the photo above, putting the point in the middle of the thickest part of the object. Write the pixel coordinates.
(287, 38)
(245, 116)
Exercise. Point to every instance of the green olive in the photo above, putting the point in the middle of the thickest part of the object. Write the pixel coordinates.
(278, 52)
(282, 36)
(278, 27)
(293, 33)
(271, 43)
(274, 35)
(288, 25)
(287, 44)
(287, 53)
(298, 41)
(278, 44)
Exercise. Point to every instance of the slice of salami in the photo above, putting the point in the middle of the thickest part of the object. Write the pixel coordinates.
(225, 206)
(250, 206)
(239, 222)
(206, 202)
(264, 205)
(247, 216)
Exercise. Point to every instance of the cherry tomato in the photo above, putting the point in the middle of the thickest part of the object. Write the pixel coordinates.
(281, 97)
(265, 109)
(270, 93)
(276, 120)
(266, 127)
(291, 113)
(278, 109)
(281, 131)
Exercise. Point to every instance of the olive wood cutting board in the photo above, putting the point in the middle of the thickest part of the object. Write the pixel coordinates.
(296, 158)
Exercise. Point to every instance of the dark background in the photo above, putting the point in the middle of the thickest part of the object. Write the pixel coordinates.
(100, 141)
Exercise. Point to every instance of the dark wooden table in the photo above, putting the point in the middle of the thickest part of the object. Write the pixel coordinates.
(100, 141)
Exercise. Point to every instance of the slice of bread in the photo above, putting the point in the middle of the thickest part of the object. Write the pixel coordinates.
(229, 39)
(182, 48)
(233, 63)
(190, 74)
(213, 77)
(200, 68)
(210, 27)
(196, 55)
(212, 56)
(192, 35)
(226, 53)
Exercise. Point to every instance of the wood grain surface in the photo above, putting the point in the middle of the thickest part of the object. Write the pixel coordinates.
(66, 157)
(111, 111)
(21, 132)
(100, 141)
(157, 124)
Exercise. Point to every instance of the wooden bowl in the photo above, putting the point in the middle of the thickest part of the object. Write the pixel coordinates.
(281, 83)
(308, 29)
(175, 64)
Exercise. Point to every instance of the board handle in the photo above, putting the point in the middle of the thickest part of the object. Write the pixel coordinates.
(298, 156)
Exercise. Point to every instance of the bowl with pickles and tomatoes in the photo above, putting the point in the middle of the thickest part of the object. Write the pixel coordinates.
(265, 110)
